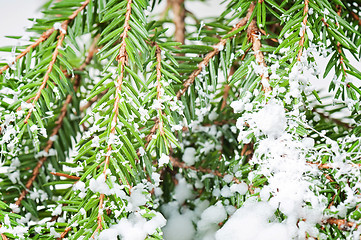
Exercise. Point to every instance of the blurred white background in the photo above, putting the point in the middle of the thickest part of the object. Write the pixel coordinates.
(14, 16)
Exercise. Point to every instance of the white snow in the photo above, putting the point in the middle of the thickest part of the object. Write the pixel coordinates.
(241, 188)
(251, 222)
(135, 227)
(163, 160)
(189, 156)
(271, 119)
(183, 190)
(99, 185)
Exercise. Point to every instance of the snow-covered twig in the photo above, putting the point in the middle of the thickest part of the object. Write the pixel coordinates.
(122, 59)
(304, 24)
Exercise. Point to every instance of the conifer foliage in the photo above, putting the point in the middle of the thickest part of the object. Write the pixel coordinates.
(123, 120)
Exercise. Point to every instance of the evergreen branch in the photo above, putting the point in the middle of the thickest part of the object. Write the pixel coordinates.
(47, 74)
(122, 59)
(45, 36)
(92, 51)
(178, 19)
(211, 54)
(148, 138)
(339, 49)
(42, 38)
(254, 35)
(327, 166)
(49, 145)
(304, 22)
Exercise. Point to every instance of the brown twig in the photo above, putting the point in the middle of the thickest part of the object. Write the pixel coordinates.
(339, 49)
(122, 59)
(327, 166)
(3, 236)
(159, 87)
(342, 224)
(304, 22)
(227, 88)
(63, 234)
(65, 175)
(356, 17)
(47, 74)
(179, 164)
(45, 36)
(254, 35)
(178, 19)
(211, 54)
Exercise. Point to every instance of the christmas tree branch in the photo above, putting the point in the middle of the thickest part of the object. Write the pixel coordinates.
(59, 123)
(122, 59)
(45, 36)
(179, 164)
(49, 145)
(336, 121)
(211, 54)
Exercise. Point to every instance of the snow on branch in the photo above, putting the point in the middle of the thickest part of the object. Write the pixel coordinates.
(255, 37)
(122, 59)
(304, 25)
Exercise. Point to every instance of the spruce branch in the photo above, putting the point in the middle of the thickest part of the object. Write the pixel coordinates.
(45, 36)
(122, 59)
(213, 53)
(339, 49)
(36, 170)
